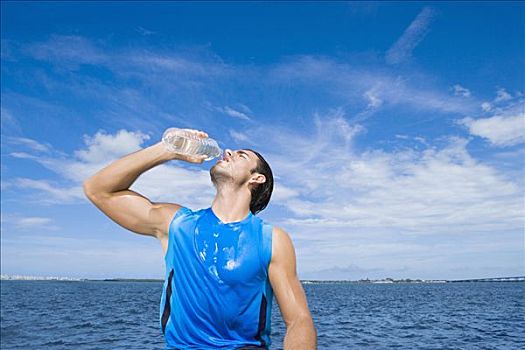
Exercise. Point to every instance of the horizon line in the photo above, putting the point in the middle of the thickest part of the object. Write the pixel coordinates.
(66, 278)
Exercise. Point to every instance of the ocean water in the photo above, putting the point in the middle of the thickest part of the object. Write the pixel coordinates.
(124, 315)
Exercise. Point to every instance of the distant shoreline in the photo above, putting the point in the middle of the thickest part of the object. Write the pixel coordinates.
(362, 281)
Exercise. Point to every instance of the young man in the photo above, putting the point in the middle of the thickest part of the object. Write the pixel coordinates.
(223, 264)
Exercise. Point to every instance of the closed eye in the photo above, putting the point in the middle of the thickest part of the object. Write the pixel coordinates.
(243, 154)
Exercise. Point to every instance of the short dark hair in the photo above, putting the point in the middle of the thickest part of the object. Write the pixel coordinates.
(261, 193)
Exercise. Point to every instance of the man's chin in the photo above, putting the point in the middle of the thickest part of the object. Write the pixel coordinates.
(216, 168)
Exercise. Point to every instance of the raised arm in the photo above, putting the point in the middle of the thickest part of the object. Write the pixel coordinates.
(109, 190)
(300, 330)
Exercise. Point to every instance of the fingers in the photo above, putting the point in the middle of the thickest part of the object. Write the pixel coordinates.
(199, 159)
(196, 159)
(198, 133)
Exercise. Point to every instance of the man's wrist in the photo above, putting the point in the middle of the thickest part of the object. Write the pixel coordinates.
(163, 152)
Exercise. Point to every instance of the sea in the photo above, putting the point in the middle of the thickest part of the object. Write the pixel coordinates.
(85, 315)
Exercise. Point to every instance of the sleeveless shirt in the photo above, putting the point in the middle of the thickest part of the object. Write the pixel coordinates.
(216, 292)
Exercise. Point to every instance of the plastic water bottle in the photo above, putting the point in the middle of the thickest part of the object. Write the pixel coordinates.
(185, 142)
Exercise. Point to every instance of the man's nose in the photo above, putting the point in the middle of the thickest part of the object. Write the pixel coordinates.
(228, 153)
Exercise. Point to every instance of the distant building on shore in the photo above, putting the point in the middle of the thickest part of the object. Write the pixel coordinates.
(38, 278)
(366, 280)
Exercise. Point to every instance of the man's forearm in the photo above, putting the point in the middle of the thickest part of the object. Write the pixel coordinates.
(301, 335)
(121, 174)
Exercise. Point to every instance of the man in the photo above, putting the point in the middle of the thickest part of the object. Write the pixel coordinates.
(223, 264)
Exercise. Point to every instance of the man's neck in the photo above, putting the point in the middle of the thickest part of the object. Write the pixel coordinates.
(231, 204)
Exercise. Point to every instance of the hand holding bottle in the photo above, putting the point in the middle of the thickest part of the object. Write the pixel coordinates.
(190, 145)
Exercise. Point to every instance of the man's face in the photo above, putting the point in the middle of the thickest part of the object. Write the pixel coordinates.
(235, 166)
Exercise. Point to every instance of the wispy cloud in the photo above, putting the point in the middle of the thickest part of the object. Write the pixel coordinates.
(373, 99)
(39, 223)
(461, 91)
(187, 79)
(233, 113)
(30, 143)
(401, 51)
(8, 122)
(69, 50)
(29, 222)
(52, 192)
(238, 136)
(501, 101)
(145, 32)
(502, 95)
(363, 87)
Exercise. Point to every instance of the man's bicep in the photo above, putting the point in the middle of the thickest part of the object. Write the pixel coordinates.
(136, 213)
(283, 277)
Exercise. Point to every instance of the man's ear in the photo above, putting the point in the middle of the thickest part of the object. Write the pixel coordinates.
(257, 179)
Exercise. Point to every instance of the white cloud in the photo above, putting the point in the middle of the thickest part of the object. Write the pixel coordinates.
(506, 126)
(373, 99)
(498, 130)
(425, 192)
(233, 113)
(412, 36)
(502, 95)
(103, 147)
(486, 107)
(281, 192)
(461, 91)
(360, 199)
(167, 182)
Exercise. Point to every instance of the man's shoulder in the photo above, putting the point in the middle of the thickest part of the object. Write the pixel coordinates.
(282, 244)
(280, 234)
(175, 214)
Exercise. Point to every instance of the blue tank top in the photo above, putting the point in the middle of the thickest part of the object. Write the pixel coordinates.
(216, 292)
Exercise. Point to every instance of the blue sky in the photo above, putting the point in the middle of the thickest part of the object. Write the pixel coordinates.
(395, 131)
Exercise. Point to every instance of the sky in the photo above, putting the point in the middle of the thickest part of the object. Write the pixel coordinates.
(395, 131)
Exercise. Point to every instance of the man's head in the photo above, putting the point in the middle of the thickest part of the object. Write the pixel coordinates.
(245, 168)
